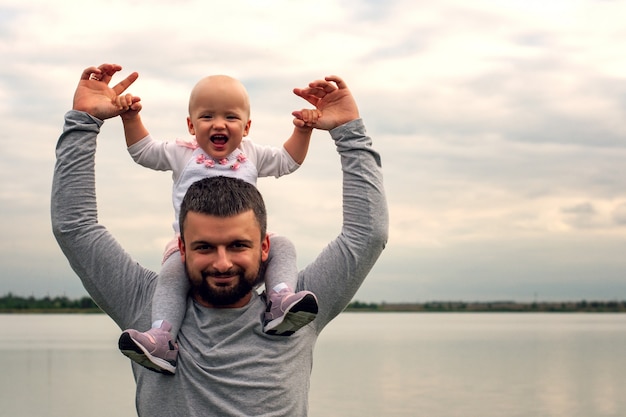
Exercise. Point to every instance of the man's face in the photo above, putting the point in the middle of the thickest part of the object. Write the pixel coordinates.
(223, 257)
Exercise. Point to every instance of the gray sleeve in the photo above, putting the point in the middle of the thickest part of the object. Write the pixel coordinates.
(340, 269)
(118, 284)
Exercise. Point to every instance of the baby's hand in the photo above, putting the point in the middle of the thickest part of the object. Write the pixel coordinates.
(131, 105)
(306, 117)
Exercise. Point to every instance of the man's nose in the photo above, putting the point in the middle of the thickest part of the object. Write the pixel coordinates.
(222, 260)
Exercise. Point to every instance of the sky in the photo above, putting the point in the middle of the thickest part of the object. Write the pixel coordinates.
(500, 124)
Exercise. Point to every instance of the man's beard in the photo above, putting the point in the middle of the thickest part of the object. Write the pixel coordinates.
(224, 296)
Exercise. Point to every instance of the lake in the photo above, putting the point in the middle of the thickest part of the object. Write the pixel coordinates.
(366, 364)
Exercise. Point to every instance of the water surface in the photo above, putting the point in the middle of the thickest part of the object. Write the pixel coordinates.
(366, 364)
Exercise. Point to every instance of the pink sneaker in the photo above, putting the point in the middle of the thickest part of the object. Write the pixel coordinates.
(288, 312)
(153, 349)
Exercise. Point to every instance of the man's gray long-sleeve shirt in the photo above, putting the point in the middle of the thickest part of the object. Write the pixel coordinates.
(227, 366)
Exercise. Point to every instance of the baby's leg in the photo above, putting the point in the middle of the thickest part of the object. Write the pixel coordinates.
(170, 297)
(287, 311)
(156, 349)
(281, 267)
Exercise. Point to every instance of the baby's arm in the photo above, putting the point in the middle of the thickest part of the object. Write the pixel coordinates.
(147, 152)
(134, 130)
(297, 145)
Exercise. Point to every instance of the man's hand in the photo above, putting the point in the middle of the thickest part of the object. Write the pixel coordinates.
(93, 94)
(333, 100)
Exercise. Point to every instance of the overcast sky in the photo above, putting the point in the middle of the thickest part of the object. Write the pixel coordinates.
(500, 123)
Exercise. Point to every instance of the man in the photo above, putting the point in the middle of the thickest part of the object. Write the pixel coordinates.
(227, 365)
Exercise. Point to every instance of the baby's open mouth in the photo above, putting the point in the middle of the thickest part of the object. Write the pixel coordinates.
(219, 139)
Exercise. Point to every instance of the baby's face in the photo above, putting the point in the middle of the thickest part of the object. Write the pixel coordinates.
(219, 115)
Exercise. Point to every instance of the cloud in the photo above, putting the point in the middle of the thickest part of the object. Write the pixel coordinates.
(619, 214)
(500, 127)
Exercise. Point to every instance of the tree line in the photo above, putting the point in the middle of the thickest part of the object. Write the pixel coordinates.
(10, 303)
(582, 306)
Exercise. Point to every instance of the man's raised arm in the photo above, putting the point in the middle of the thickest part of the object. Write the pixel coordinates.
(340, 269)
(108, 273)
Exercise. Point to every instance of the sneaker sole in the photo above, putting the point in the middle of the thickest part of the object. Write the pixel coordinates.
(297, 316)
(137, 353)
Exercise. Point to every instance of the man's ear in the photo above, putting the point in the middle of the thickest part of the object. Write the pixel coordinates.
(265, 248)
(181, 249)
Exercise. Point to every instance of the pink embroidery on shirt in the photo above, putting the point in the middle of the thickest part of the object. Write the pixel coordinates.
(209, 162)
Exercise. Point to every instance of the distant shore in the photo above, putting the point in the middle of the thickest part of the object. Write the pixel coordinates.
(582, 306)
(11, 304)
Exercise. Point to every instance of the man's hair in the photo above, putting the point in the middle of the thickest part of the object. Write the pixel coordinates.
(223, 197)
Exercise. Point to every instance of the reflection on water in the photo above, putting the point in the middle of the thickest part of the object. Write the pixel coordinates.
(471, 365)
(366, 364)
(63, 366)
